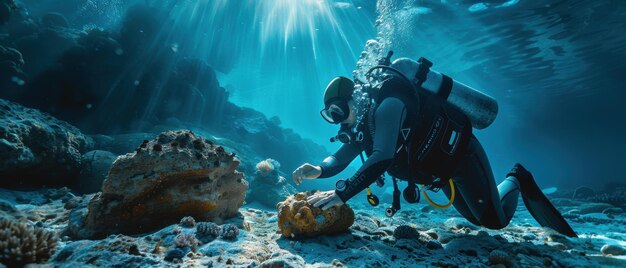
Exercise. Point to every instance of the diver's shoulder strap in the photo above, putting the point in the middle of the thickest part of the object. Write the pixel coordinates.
(422, 71)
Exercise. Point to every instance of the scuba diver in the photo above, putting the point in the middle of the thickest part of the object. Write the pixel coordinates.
(417, 126)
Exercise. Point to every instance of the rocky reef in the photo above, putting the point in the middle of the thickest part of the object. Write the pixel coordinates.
(297, 218)
(37, 149)
(268, 187)
(417, 235)
(174, 175)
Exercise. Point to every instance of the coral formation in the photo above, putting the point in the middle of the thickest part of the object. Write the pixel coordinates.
(266, 166)
(405, 232)
(22, 244)
(150, 188)
(206, 231)
(187, 222)
(229, 232)
(38, 149)
(268, 187)
(298, 218)
(186, 240)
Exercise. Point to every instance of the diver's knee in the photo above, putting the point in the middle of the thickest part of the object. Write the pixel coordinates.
(491, 220)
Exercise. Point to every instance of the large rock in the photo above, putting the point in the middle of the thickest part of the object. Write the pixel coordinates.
(37, 149)
(297, 218)
(174, 175)
(95, 166)
(269, 187)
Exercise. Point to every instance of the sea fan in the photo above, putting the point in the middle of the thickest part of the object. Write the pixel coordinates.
(21, 244)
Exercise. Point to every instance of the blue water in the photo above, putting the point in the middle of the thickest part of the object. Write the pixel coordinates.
(555, 67)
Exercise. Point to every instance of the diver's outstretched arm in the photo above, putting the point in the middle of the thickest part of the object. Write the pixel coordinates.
(388, 119)
(337, 162)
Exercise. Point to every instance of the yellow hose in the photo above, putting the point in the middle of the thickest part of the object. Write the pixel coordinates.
(452, 194)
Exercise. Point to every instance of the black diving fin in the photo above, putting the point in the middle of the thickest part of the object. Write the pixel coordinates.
(538, 204)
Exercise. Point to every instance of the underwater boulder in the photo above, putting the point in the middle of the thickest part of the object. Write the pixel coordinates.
(297, 218)
(37, 149)
(174, 175)
(95, 166)
(269, 187)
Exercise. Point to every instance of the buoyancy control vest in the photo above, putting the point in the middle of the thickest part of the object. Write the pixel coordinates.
(433, 137)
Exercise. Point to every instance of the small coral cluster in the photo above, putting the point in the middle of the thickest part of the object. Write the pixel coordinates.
(269, 187)
(266, 166)
(229, 232)
(188, 222)
(21, 244)
(298, 218)
(205, 232)
(186, 240)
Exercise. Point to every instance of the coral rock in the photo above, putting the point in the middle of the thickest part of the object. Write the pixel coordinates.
(268, 187)
(149, 189)
(298, 218)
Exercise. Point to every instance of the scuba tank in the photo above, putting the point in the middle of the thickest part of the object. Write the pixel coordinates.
(480, 108)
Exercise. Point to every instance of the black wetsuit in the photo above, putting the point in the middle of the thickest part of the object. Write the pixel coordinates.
(477, 199)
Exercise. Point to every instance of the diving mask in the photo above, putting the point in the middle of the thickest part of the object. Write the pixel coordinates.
(336, 112)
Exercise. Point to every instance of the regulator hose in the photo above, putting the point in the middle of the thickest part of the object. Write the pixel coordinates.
(452, 195)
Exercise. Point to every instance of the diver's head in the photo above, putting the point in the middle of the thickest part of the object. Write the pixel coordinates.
(338, 104)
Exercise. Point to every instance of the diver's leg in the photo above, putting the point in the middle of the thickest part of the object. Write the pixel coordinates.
(538, 204)
(492, 206)
(460, 205)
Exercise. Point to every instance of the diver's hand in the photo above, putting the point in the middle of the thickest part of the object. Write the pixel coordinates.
(325, 200)
(306, 171)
